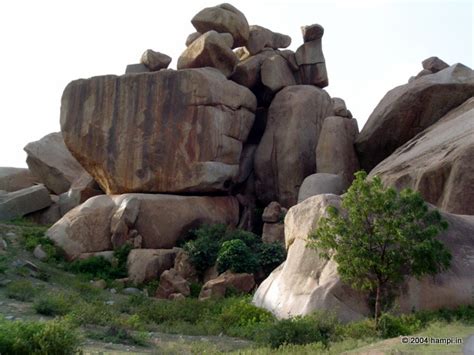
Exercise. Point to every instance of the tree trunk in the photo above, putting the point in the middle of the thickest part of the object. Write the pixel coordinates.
(377, 305)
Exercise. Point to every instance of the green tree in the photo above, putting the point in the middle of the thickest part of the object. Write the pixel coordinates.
(380, 236)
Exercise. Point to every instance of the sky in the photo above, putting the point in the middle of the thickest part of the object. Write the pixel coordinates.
(370, 47)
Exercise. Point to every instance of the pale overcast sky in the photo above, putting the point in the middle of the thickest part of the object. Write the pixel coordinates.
(370, 47)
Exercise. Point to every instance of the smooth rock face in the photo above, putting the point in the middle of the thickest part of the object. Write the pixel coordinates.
(281, 161)
(51, 162)
(305, 282)
(167, 131)
(161, 221)
(217, 287)
(335, 153)
(434, 64)
(273, 233)
(223, 18)
(407, 110)
(321, 183)
(439, 162)
(14, 179)
(136, 69)
(312, 32)
(145, 265)
(212, 49)
(192, 37)
(312, 65)
(339, 108)
(261, 37)
(155, 60)
(19, 203)
(276, 74)
(247, 72)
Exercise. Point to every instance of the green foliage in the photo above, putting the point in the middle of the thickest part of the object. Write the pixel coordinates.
(21, 290)
(391, 326)
(94, 266)
(54, 304)
(121, 255)
(358, 330)
(195, 289)
(119, 335)
(236, 256)
(250, 239)
(382, 237)
(3, 264)
(270, 256)
(242, 313)
(33, 236)
(41, 338)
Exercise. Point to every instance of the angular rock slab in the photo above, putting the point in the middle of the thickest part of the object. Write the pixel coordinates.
(52, 163)
(285, 155)
(161, 221)
(19, 203)
(439, 162)
(167, 131)
(408, 109)
(14, 179)
(223, 18)
(305, 282)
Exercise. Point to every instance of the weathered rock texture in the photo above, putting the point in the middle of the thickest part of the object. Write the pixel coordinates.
(321, 183)
(19, 203)
(13, 179)
(161, 220)
(155, 60)
(145, 265)
(335, 153)
(216, 288)
(281, 161)
(261, 37)
(305, 282)
(276, 74)
(223, 18)
(408, 109)
(439, 162)
(167, 131)
(52, 163)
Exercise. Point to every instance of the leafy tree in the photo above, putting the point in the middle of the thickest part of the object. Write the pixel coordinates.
(380, 237)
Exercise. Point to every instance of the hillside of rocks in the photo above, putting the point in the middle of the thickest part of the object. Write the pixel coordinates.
(245, 125)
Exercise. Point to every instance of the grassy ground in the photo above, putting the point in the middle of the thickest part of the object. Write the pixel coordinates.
(107, 321)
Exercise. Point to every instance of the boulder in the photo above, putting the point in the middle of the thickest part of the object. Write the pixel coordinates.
(247, 72)
(14, 179)
(276, 74)
(161, 221)
(434, 64)
(261, 37)
(321, 183)
(241, 53)
(423, 73)
(408, 109)
(223, 18)
(155, 60)
(145, 265)
(83, 188)
(188, 140)
(305, 282)
(340, 109)
(216, 288)
(123, 221)
(273, 233)
(171, 283)
(438, 162)
(312, 32)
(19, 203)
(335, 153)
(107, 255)
(183, 266)
(285, 155)
(212, 49)
(312, 65)
(39, 253)
(52, 163)
(136, 69)
(272, 213)
(47, 216)
(192, 37)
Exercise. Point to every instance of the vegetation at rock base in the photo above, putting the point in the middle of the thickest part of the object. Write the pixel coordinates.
(381, 237)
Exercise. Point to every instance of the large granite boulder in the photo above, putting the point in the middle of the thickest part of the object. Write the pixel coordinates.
(247, 71)
(212, 49)
(166, 131)
(52, 163)
(145, 265)
(285, 155)
(321, 183)
(305, 282)
(161, 220)
(439, 162)
(261, 37)
(335, 153)
(223, 18)
(21, 202)
(408, 109)
(13, 179)
(217, 287)
(276, 73)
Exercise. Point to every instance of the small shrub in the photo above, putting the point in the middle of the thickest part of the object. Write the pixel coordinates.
(119, 335)
(392, 326)
(3, 264)
(203, 250)
(195, 289)
(95, 313)
(241, 313)
(358, 330)
(53, 304)
(95, 267)
(271, 256)
(21, 290)
(250, 239)
(236, 256)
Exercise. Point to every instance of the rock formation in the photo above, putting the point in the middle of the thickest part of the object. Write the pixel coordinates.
(13, 179)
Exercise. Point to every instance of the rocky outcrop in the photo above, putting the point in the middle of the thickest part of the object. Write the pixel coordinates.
(161, 220)
(52, 163)
(408, 109)
(145, 265)
(281, 161)
(212, 49)
(438, 162)
(261, 37)
(167, 131)
(305, 282)
(155, 60)
(335, 153)
(171, 284)
(434, 64)
(19, 203)
(216, 288)
(321, 183)
(223, 18)
(276, 73)
(14, 179)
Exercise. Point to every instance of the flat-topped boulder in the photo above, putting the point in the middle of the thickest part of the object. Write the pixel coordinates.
(166, 131)
(21, 202)
(408, 109)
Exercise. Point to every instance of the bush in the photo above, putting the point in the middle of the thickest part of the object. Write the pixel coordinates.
(94, 267)
(241, 313)
(250, 239)
(271, 256)
(119, 335)
(236, 256)
(3, 264)
(358, 330)
(54, 337)
(53, 304)
(392, 326)
(21, 290)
